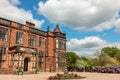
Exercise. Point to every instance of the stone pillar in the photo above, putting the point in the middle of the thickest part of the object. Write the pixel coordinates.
(18, 65)
(33, 61)
(22, 62)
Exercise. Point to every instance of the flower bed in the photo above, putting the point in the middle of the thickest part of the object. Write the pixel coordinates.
(65, 76)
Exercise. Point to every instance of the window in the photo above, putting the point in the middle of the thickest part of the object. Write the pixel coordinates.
(57, 59)
(60, 59)
(57, 43)
(40, 58)
(19, 37)
(61, 64)
(61, 44)
(2, 52)
(32, 40)
(3, 34)
(41, 42)
(20, 26)
(40, 54)
(56, 65)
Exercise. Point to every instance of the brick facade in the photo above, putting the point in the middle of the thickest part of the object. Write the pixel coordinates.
(27, 47)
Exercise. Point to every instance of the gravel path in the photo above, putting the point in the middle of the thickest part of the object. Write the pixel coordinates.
(45, 75)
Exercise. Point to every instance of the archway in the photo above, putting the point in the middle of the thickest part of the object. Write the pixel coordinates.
(26, 60)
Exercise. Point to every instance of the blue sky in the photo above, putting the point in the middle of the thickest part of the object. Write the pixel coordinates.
(90, 24)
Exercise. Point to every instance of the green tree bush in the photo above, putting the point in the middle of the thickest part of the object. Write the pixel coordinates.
(117, 56)
(71, 59)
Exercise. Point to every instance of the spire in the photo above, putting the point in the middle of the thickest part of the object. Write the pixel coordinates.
(64, 32)
(48, 28)
(57, 29)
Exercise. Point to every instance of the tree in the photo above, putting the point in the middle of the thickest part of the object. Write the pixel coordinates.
(95, 62)
(87, 61)
(103, 60)
(117, 56)
(71, 59)
(97, 54)
(81, 64)
(111, 51)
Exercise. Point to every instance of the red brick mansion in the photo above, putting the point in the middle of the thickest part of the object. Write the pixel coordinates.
(27, 47)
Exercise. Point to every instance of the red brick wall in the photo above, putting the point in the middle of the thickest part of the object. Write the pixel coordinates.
(50, 42)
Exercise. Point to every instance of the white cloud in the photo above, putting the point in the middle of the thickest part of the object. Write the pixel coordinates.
(91, 43)
(86, 53)
(84, 15)
(10, 11)
(14, 2)
(88, 45)
(117, 25)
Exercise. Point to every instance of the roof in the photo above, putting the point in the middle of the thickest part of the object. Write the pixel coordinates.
(57, 29)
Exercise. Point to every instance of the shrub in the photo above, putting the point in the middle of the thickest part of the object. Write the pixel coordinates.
(37, 69)
(76, 75)
(20, 69)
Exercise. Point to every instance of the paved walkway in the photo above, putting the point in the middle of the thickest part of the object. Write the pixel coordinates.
(45, 75)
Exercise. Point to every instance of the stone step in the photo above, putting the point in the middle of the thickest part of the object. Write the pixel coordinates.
(6, 72)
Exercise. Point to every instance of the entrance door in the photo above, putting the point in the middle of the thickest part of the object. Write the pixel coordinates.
(26, 64)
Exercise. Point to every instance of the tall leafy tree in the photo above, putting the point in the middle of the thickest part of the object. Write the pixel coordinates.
(117, 56)
(81, 64)
(71, 59)
(111, 51)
